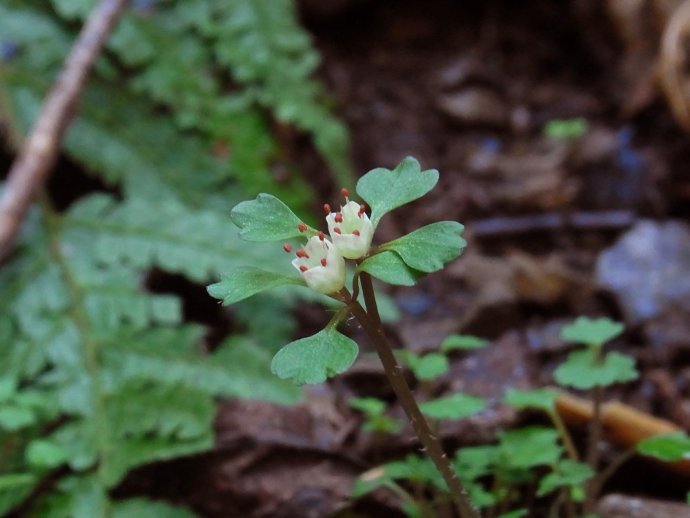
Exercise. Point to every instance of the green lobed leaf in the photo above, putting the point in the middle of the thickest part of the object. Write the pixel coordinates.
(247, 281)
(594, 332)
(528, 447)
(668, 447)
(266, 218)
(540, 399)
(453, 342)
(385, 190)
(455, 406)
(390, 268)
(566, 473)
(583, 370)
(370, 406)
(315, 358)
(428, 248)
(474, 462)
(44, 454)
(427, 367)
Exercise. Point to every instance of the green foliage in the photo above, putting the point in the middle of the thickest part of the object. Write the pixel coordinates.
(584, 369)
(385, 189)
(429, 248)
(100, 374)
(540, 399)
(245, 281)
(455, 406)
(669, 447)
(589, 367)
(266, 219)
(465, 342)
(315, 358)
(389, 267)
(567, 473)
(376, 421)
(529, 447)
(591, 332)
(565, 129)
(427, 367)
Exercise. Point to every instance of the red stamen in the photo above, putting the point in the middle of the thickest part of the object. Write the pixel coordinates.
(326, 208)
(303, 268)
(362, 210)
(339, 217)
(322, 236)
(302, 227)
(302, 253)
(287, 247)
(323, 262)
(337, 230)
(355, 232)
(345, 193)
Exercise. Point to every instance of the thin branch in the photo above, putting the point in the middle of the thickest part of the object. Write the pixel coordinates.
(371, 325)
(37, 155)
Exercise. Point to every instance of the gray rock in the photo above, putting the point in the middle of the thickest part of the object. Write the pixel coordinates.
(648, 269)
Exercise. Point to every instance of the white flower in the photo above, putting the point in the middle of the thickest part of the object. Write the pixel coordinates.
(321, 265)
(350, 230)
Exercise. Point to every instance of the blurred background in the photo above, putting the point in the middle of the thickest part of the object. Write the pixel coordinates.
(559, 129)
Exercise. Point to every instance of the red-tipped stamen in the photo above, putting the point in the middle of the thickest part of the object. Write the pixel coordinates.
(339, 217)
(287, 247)
(302, 253)
(362, 210)
(303, 268)
(323, 262)
(322, 236)
(355, 232)
(302, 227)
(337, 230)
(326, 208)
(344, 192)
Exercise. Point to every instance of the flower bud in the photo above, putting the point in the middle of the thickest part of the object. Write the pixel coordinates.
(350, 230)
(321, 265)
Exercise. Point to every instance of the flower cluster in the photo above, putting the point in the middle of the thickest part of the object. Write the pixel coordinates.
(322, 261)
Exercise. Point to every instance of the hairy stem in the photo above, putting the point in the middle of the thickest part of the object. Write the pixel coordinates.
(370, 321)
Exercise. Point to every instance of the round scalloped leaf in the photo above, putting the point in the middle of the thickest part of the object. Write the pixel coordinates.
(582, 370)
(266, 218)
(389, 267)
(315, 358)
(45, 454)
(247, 281)
(427, 367)
(428, 248)
(594, 332)
(540, 399)
(385, 190)
(566, 473)
(668, 447)
(528, 447)
(455, 406)
(465, 342)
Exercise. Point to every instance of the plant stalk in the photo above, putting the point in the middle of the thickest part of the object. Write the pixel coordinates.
(371, 323)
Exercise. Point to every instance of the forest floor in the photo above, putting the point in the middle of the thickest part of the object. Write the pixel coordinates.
(470, 88)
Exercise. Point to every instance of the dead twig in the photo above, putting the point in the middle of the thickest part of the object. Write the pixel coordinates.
(40, 149)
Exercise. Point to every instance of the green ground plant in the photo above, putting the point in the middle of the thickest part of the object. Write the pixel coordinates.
(100, 372)
(537, 463)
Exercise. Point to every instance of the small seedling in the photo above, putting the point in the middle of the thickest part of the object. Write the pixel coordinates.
(376, 421)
